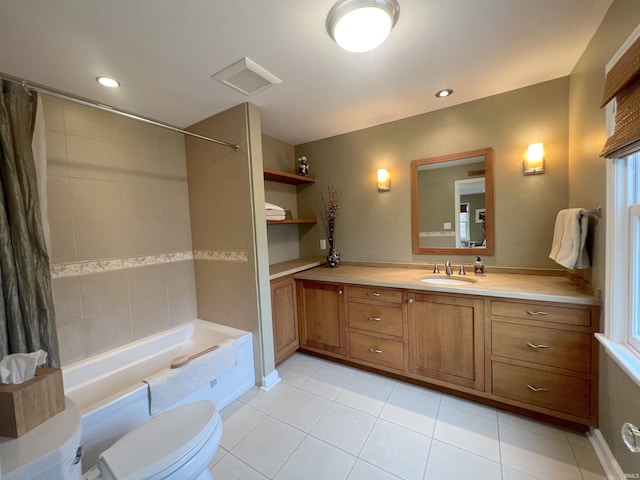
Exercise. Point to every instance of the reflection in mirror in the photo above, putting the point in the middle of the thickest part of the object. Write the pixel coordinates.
(452, 203)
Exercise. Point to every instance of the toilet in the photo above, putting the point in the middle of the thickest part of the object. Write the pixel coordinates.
(177, 444)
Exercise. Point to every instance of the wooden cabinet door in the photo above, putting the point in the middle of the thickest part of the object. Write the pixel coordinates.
(321, 316)
(283, 313)
(446, 338)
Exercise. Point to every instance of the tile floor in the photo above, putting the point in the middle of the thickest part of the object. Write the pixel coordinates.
(326, 421)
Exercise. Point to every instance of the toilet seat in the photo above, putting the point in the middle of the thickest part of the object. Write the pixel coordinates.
(161, 445)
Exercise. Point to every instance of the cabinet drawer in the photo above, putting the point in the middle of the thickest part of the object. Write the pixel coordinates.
(376, 318)
(374, 293)
(549, 390)
(543, 312)
(546, 346)
(389, 353)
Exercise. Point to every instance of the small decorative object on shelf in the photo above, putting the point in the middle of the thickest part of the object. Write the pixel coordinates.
(327, 205)
(303, 166)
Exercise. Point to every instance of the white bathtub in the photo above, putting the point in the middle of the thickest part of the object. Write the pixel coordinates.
(112, 398)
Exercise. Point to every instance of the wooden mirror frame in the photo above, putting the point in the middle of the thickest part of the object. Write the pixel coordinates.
(487, 250)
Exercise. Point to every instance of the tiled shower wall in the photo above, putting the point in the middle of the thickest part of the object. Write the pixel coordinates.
(118, 208)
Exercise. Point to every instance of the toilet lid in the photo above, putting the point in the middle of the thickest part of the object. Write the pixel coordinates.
(161, 442)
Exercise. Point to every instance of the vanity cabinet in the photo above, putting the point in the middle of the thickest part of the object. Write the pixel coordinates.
(446, 338)
(376, 327)
(544, 357)
(532, 356)
(283, 314)
(321, 317)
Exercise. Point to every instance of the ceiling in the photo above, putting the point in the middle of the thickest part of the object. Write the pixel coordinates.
(164, 53)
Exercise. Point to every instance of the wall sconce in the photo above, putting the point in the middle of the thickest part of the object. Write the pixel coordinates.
(384, 180)
(534, 162)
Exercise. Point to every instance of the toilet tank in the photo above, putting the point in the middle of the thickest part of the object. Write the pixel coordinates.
(49, 451)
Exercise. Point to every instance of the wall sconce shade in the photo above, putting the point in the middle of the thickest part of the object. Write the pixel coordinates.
(384, 180)
(534, 162)
(362, 25)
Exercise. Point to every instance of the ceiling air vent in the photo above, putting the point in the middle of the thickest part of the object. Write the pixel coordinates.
(246, 76)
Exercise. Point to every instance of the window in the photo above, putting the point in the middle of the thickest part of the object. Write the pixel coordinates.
(622, 293)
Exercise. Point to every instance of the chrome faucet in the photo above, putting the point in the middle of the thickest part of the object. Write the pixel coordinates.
(462, 272)
(447, 268)
(435, 268)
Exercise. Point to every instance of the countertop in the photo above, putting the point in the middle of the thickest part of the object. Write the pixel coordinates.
(282, 269)
(553, 288)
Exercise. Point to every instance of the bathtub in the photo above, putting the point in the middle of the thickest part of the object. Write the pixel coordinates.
(112, 398)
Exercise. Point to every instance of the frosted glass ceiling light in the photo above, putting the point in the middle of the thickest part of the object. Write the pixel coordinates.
(108, 82)
(362, 25)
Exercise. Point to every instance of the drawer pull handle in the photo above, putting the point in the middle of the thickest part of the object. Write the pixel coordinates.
(536, 313)
(373, 294)
(375, 350)
(542, 345)
(375, 319)
(339, 292)
(534, 389)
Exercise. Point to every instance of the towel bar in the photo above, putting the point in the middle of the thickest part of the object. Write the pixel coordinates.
(596, 211)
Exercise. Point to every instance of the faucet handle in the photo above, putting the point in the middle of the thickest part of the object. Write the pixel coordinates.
(435, 268)
(462, 272)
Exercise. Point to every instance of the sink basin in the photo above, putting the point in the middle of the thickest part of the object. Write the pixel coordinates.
(444, 280)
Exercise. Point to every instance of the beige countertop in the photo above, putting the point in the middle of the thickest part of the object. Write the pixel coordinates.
(289, 267)
(554, 288)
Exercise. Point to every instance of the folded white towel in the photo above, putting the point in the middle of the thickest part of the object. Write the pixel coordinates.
(271, 206)
(170, 385)
(569, 238)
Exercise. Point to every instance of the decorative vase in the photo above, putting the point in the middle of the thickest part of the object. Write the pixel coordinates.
(333, 259)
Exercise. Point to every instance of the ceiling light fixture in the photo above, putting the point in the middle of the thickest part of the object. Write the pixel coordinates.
(444, 93)
(362, 25)
(108, 82)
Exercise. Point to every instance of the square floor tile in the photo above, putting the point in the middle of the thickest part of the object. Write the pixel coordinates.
(344, 427)
(469, 406)
(447, 462)
(589, 464)
(415, 410)
(268, 446)
(397, 450)
(267, 402)
(297, 369)
(538, 454)
(238, 419)
(366, 393)
(317, 460)
(511, 474)
(506, 418)
(302, 410)
(231, 468)
(326, 382)
(366, 471)
(471, 432)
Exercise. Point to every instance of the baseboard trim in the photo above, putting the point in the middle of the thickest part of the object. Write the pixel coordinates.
(270, 381)
(609, 463)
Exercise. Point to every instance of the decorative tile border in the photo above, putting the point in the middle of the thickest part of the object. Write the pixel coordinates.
(444, 233)
(228, 256)
(75, 269)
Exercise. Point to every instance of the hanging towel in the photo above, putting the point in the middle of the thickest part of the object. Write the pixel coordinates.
(170, 385)
(569, 238)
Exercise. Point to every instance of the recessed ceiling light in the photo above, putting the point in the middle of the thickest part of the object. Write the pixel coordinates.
(362, 25)
(444, 93)
(108, 82)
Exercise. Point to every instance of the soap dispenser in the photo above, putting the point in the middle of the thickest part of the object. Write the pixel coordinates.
(478, 267)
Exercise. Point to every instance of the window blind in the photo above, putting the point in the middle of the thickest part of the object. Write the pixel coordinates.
(623, 84)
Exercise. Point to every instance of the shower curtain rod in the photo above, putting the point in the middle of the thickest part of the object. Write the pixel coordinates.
(89, 103)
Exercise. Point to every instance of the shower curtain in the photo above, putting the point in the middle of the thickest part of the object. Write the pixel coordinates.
(27, 318)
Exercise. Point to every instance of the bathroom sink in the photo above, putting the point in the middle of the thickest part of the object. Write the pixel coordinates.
(443, 280)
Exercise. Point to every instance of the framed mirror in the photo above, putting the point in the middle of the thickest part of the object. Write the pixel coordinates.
(452, 203)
